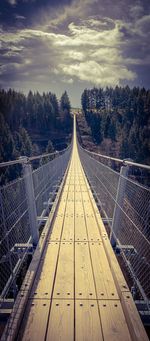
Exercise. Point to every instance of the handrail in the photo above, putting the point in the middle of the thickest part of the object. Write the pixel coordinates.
(31, 158)
(124, 162)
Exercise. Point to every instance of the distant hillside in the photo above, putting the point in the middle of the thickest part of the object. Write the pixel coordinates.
(119, 121)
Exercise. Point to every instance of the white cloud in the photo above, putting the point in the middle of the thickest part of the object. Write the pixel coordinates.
(136, 11)
(98, 74)
(75, 55)
(67, 80)
(12, 2)
(143, 25)
(20, 17)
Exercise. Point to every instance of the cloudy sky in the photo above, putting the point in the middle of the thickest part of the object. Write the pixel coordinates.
(53, 45)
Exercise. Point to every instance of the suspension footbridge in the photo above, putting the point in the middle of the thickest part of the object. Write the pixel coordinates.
(74, 288)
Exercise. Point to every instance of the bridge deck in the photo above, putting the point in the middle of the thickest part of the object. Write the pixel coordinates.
(79, 292)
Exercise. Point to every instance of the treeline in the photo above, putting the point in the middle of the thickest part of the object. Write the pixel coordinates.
(121, 115)
(23, 116)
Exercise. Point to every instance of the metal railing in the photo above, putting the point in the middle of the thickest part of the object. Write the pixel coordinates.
(126, 204)
(23, 203)
(124, 201)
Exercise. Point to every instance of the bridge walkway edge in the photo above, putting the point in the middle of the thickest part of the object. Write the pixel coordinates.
(74, 288)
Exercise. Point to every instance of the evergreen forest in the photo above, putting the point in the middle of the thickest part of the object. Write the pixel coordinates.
(119, 117)
(31, 125)
(119, 122)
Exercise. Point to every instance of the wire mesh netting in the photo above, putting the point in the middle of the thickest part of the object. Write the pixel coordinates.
(132, 232)
(46, 179)
(14, 227)
(103, 180)
(14, 214)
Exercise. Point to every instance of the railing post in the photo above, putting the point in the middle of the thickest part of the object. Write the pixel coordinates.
(119, 202)
(27, 172)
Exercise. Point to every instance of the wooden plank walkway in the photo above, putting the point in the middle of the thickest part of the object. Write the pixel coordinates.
(79, 292)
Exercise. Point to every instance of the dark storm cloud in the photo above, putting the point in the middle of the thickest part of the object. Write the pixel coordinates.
(24, 56)
(136, 37)
(13, 11)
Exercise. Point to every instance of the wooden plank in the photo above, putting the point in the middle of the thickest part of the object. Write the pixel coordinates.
(105, 285)
(35, 321)
(135, 325)
(43, 284)
(113, 321)
(87, 321)
(71, 191)
(80, 226)
(83, 187)
(100, 222)
(119, 279)
(92, 228)
(57, 227)
(68, 227)
(64, 281)
(91, 223)
(84, 281)
(63, 201)
(78, 200)
(77, 186)
(61, 322)
(58, 223)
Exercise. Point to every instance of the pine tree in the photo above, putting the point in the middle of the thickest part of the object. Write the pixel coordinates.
(65, 110)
